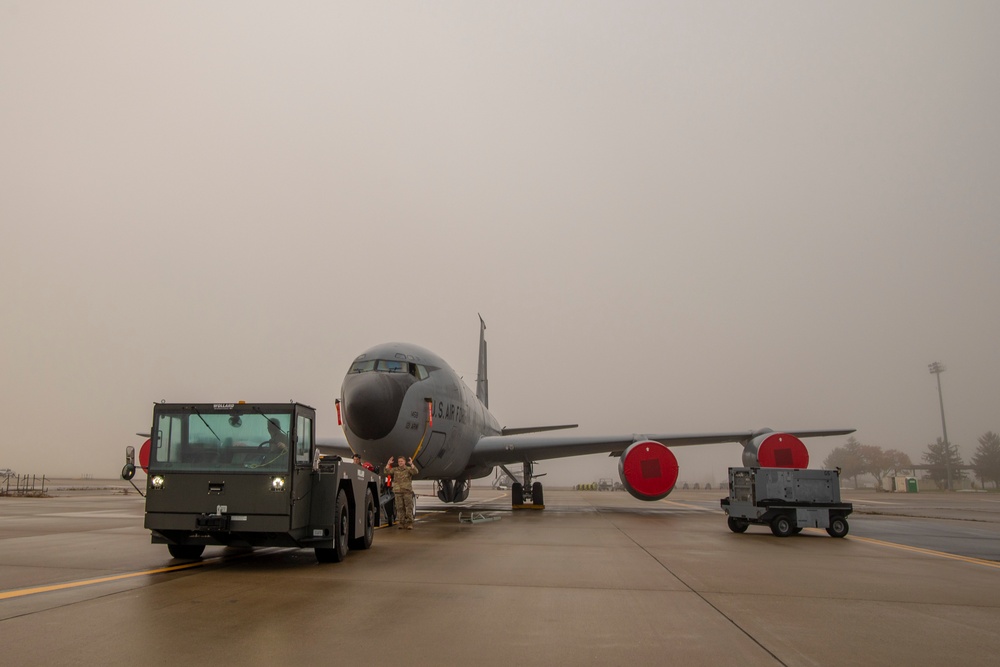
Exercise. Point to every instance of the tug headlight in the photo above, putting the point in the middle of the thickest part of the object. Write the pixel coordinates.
(157, 481)
(277, 483)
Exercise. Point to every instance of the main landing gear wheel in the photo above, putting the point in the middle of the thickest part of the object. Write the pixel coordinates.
(186, 551)
(781, 526)
(738, 525)
(536, 494)
(516, 494)
(838, 527)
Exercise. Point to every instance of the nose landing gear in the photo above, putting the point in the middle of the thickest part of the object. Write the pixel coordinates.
(453, 490)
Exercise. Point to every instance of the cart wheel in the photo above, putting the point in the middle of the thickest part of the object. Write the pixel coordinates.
(781, 526)
(186, 551)
(737, 525)
(838, 527)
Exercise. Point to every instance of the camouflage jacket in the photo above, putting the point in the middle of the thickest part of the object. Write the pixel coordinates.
(402, 478)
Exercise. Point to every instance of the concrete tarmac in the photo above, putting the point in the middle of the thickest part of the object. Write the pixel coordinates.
(595, 578)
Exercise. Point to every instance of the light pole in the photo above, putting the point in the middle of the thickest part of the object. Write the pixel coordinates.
(937, 368)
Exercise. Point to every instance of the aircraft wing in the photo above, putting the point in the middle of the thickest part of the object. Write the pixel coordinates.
(496, 449)
(334, 447)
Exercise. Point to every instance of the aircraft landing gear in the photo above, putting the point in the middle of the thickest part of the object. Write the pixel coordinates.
(534, 498)
(453, 491)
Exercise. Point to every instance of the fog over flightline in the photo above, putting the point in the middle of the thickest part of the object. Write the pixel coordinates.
(673, 217)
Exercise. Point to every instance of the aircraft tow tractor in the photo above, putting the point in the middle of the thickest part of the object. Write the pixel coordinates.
(248, 475)
(787, 500)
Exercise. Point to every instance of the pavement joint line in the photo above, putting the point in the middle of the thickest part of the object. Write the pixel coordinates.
(704, 599)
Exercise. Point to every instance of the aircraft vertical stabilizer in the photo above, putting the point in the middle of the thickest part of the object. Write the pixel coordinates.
(482, 384)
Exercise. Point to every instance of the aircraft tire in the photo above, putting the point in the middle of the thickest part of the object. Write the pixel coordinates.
(838, 527)
(365, 540)
(186, 551)
(537, 498)
(781, 526)
(737, 525)
(446, 491)
(516, 494)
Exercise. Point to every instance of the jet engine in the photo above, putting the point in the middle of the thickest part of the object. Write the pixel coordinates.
(775, 450)
(648, 470)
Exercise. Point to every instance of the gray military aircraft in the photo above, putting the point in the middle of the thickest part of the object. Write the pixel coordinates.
(399, 399)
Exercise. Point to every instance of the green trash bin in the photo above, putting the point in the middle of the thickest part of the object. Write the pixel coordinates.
(911, 484)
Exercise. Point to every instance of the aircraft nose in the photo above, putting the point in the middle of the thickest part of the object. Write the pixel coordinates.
(372, 402)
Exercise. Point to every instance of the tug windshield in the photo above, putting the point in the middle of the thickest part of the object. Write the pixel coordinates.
(196, 441)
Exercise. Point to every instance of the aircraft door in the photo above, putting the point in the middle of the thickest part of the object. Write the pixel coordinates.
(428, 459)
(302, 446)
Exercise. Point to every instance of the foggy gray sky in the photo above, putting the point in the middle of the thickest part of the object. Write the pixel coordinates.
(674, 217)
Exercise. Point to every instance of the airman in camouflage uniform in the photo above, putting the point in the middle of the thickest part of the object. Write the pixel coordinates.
(402, 486)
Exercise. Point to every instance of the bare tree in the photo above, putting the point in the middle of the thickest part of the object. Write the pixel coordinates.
(900, 461)
(847, 459)
(876, 463)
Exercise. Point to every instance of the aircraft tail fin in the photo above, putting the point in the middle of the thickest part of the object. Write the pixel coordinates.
(482, 383)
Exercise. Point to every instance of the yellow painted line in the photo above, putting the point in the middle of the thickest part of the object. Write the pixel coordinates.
(930, 552)
(6, 595)
(919, 550)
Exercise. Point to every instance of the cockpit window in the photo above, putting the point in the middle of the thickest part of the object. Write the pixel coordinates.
(363, 366)
(392, 366)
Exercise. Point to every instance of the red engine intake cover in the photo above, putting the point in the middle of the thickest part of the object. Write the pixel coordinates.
(144, 456)
(780, 450)
(648, 470)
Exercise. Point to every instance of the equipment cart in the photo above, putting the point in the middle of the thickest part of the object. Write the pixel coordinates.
(787, 500)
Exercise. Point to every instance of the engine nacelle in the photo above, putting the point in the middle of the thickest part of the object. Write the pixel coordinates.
(775, 450)
(648, 470)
